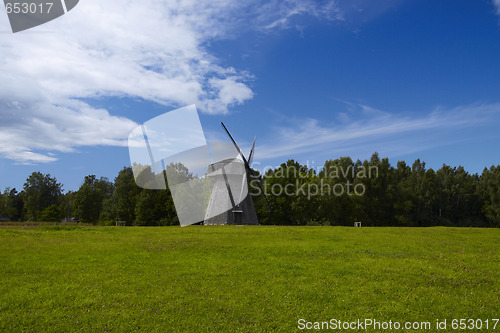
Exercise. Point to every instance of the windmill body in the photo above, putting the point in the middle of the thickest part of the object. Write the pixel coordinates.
(230, 201)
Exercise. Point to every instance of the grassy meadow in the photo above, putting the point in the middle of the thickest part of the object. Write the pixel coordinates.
(242, 279)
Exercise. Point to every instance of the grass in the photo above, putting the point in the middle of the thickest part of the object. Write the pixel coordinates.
(247, 279)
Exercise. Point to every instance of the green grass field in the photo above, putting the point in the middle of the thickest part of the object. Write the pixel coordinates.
(248, 279)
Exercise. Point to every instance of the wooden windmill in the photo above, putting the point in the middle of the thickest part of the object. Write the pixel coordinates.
(230, 201)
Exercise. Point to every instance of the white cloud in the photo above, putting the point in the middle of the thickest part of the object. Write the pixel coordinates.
(45, 127)
(150, 49)
(366, 130)
(231, 91)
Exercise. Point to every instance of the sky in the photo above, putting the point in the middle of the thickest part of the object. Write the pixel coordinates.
(312, 80)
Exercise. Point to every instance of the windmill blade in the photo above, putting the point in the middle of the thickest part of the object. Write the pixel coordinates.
(243, 181)
(229, 192)
(247, 165)
(237, 148)
(250, 156)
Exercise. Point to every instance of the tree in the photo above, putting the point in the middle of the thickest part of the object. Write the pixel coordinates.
(89, 198)
(50, 214)
(11, 204)
(459, 200)
(490, 187)
(40, 191)
(403, 195)
(287, 190)
(376, 205)
(122, 203)
(66, 205)
(338, 177)
(154, 208)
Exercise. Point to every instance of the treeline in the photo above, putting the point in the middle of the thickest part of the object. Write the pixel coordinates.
(97, 201)
(341, 192)
(378, 194)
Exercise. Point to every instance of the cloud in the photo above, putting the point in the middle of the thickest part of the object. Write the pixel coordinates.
(279, 14)
(46, 127)
(150, 49)
(365, 129)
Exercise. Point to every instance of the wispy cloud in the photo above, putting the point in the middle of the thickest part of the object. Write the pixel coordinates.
(31, 132)
(375, 130)
(279, 14)
(148, 49)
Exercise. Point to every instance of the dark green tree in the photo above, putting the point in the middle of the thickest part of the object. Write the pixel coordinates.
(88, 200)
(11, 204)
(50, 214)
(376, 206)
(122, 203)
(403, 197)
(66, 205)
(337, 202)
(490, 190)
(40, 192)
(459, 201)
(286, 188)
(155, 208)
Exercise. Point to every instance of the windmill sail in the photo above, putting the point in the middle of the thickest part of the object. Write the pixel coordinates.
(250, 173)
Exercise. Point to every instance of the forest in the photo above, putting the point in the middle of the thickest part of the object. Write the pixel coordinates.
(340, 193)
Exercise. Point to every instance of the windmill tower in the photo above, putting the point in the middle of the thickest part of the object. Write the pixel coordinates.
(230, 201)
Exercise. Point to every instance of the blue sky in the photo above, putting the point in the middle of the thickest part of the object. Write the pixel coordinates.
(313, 80)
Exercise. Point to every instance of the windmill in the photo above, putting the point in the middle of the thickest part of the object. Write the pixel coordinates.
(230, 201)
